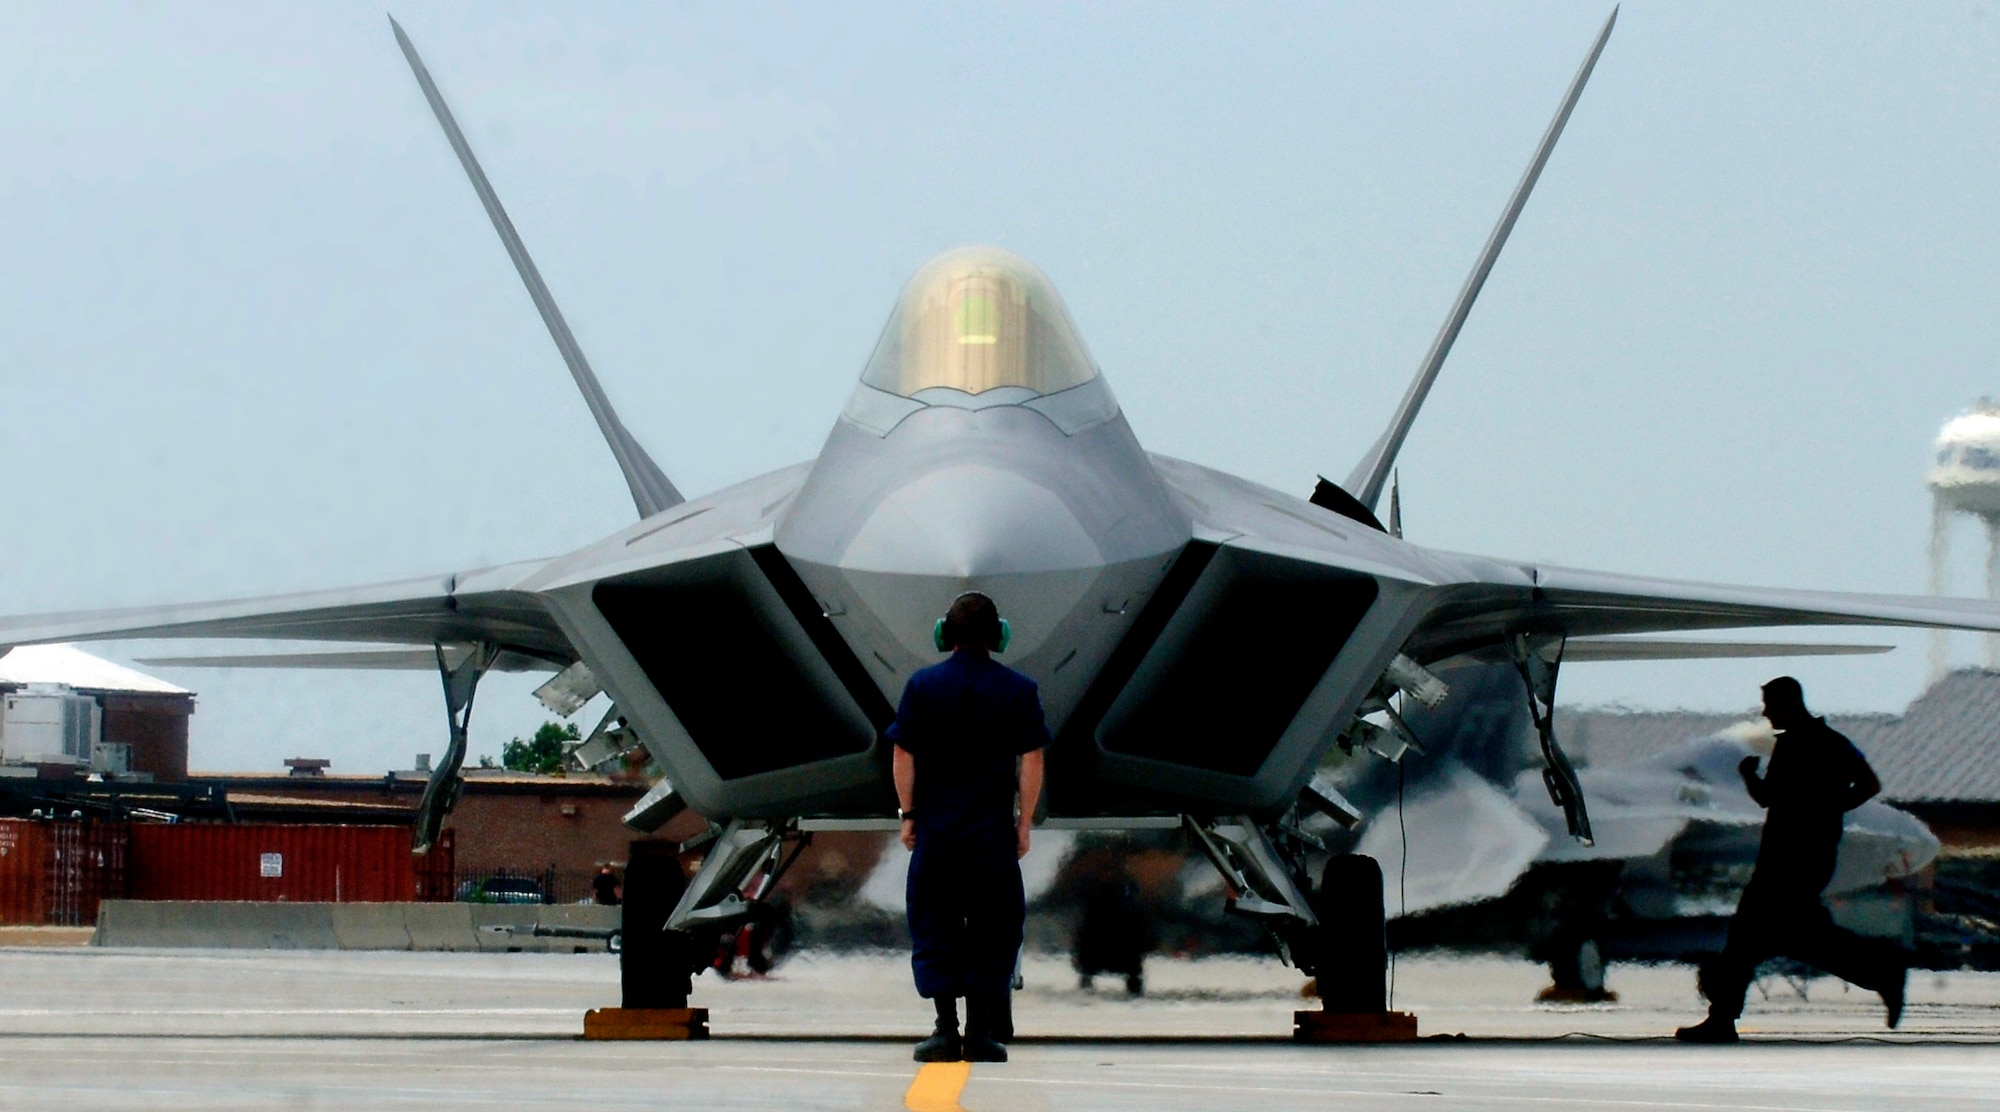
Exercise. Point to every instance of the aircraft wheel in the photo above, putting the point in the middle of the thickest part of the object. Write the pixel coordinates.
(1590, 966)
(653, 962)
(1349, 950)
(1577, 971)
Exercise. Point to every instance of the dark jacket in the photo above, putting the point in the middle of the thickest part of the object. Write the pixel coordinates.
(1814, 777)
(965, 720)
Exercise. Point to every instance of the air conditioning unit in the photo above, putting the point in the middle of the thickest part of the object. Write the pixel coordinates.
(111, 757)
(49, 724)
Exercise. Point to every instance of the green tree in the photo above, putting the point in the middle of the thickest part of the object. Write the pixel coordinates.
(542, 753)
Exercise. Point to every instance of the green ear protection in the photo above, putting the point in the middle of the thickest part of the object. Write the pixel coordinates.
(944, 646)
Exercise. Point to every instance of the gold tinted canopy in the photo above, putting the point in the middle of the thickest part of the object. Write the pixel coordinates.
(977, 319)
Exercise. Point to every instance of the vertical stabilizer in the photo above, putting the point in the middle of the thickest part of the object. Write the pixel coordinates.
(651, 491)
(1365, 484)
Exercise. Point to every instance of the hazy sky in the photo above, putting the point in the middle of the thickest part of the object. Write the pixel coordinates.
(257, 336)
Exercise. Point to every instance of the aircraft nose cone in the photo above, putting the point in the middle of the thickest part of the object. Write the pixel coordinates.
(971, 521)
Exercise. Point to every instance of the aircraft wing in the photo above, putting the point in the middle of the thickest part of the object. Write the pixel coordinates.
(1474, 602)
(413, 659)
(484, 605)
(1577, 603)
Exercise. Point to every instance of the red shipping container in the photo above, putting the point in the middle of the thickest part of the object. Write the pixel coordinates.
(86, 865)
(24, 859)
(56, 873)
(332, 864)
(436, 869)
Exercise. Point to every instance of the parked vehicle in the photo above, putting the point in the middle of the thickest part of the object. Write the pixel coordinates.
(500, 889)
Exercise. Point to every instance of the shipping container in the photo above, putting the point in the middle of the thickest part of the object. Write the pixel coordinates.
(86, 866)
(23, 865)
(436, 870)
(336, 864)
(56, 873)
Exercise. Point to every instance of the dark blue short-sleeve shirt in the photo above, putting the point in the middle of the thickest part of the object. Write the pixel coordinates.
(965, 720)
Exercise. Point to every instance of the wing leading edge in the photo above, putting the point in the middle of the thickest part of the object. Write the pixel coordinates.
(478, 606)
(1574, 603)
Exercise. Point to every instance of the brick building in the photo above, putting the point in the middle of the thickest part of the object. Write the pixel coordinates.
(556, 830)
(560, 828)
(142, 722)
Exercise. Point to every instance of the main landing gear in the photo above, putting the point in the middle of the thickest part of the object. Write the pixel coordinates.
(672, 923)
(1334, 932)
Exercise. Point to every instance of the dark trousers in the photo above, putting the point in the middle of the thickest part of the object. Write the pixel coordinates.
(967, 912)
(1796, 926)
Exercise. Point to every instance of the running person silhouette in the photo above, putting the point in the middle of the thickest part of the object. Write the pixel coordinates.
(1814, 777)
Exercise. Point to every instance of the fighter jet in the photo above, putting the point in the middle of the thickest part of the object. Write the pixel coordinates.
(1477, 854)
(1201, 641)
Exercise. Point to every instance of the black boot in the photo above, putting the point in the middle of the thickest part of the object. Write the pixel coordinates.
(1714, 1029)
(944, 1045)
(1892, 995)
(989, 1024)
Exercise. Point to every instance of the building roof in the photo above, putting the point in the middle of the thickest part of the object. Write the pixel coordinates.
(72, 667)
(260, 801)
(1610, 736)
(1945, 748)
(478, 781)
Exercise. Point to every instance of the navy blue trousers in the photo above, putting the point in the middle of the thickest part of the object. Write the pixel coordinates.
(967, 911)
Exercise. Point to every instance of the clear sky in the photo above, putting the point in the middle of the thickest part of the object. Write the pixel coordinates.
(257, 336)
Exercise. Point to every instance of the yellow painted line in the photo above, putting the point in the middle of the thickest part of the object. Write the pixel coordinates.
(937, 1086)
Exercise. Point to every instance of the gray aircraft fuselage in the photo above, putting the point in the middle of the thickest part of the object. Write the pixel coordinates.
(762, 655)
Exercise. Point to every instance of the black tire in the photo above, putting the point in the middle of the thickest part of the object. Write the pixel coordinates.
(1349, 949)
(1577, 968)
(653, 962)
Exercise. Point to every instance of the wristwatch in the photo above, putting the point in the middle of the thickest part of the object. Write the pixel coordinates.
(906, 816)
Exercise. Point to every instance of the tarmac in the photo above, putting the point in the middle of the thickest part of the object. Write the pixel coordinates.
(116, 1029)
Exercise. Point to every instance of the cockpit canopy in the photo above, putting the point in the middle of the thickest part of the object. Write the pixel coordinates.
(974, 320)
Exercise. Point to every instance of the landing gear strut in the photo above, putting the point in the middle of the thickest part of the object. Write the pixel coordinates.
(1538, 659)
(671, 923)
(461, 682)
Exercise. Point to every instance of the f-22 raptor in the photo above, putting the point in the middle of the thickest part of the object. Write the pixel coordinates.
(1201, 641)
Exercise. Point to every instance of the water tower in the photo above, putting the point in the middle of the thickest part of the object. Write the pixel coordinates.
(1965, 479)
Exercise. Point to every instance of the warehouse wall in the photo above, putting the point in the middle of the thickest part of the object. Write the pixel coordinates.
(155, 726)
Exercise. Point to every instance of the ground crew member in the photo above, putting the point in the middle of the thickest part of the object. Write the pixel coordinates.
(1814, 777)
(958, 733)
(604, 886)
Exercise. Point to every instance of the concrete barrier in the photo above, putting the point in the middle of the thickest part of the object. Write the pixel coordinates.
(127, 923)
(439, 926)
(370, 926)
(186, 923)
(358, 926)
(269, 926)
(584, 916)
